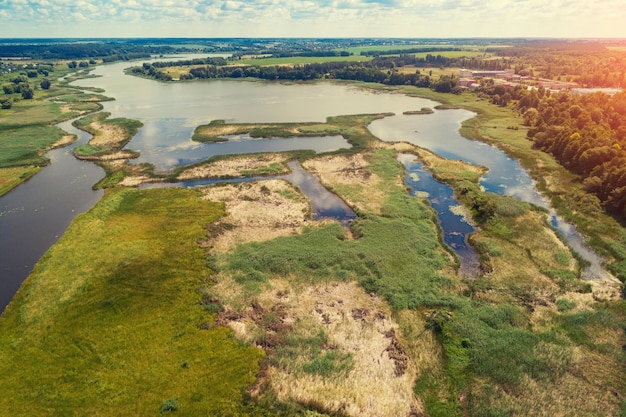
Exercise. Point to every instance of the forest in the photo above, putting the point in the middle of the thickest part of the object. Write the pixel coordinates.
(586, 133)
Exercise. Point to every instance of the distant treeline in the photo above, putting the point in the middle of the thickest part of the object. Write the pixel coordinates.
(587, 63)
(188, 62)
(377, 71)
(407, 51)
(83, 50)
(312, 53)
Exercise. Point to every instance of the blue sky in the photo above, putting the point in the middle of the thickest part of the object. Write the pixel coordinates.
(312, 18)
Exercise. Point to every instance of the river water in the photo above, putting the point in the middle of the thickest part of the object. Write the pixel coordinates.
(439, 132)
(36, 213)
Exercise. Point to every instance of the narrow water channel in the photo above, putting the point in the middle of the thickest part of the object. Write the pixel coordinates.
(324, 204)
(452, 217)
(34, 215)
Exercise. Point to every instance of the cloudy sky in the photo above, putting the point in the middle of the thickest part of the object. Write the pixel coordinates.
(312, 18)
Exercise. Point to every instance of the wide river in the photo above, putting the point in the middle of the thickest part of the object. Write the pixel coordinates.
(171, 111)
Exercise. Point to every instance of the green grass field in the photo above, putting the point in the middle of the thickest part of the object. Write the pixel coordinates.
(24, 146)
(118, 329)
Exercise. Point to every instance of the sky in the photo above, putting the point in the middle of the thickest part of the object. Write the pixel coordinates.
(313, 18)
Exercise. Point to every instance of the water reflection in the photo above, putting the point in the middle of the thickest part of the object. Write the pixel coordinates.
(454, 223)
(170, 111)
(324, 204)
(439, 132)
(176, 152)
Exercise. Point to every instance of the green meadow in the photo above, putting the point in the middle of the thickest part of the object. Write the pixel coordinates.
(118, 328)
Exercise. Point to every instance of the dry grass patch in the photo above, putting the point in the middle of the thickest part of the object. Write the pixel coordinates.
(107, 134)
(350, 176)
(233, 167)
(64, 141)
(258, 211)
(218, 128)
(331, 346)
(585, 388)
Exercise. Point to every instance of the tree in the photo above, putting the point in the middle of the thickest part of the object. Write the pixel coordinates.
(45, 84)
(6, 104)
(531, 116)
(72, 64)
(27, 92)
(8, 88)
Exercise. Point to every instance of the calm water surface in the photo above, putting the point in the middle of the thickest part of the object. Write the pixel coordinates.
(35, 214)
(171, 111)
(439, 132)
(454, 224)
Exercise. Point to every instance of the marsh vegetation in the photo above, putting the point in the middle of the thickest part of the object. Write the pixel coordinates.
(232, 300)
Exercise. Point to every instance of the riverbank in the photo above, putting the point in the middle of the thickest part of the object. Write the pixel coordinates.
(503, 128)
(28, 131)
(359, 321)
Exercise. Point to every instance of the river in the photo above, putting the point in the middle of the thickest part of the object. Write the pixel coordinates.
(439, 132)
(36, 213)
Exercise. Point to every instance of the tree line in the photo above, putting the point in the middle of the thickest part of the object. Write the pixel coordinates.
(50, 49)
(378, 71)
(586, 134)
(407, 51)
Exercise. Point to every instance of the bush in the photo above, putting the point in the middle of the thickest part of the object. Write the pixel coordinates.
(169, 405)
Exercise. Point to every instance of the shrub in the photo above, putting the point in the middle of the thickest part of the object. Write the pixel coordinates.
(169, 405)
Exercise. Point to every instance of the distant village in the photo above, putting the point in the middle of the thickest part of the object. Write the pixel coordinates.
(507, 78)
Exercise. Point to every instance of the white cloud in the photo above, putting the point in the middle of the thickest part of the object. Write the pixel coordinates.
(415, 18)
